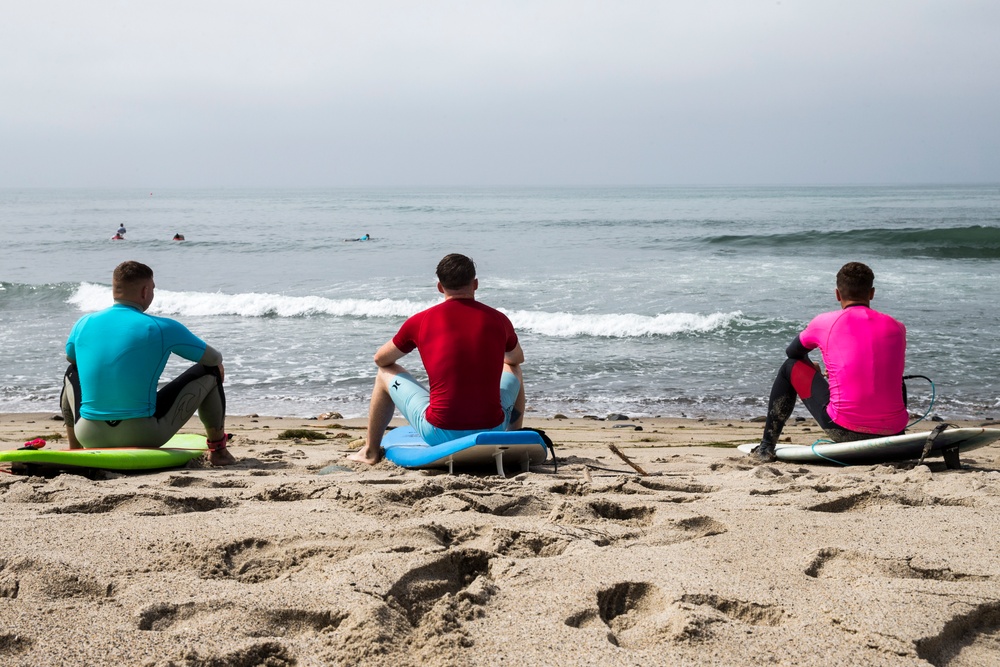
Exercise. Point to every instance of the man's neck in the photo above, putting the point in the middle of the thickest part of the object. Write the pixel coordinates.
(131, 304)
(848, 304)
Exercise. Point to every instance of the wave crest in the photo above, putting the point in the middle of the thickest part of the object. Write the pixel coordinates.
(89, 297)
(620, 325)
(971, 242)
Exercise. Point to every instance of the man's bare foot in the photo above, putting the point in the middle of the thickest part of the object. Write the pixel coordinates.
(362, 456)
(221, 457)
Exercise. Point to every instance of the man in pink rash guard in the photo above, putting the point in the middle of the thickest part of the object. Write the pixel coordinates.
(864, 352)
(473, 361)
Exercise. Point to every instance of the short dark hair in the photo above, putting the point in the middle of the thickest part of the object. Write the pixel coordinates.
(456, 271)
(855, 280)
(131, 272)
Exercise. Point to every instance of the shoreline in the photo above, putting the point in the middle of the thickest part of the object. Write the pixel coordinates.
(639, 432)
(293, 556)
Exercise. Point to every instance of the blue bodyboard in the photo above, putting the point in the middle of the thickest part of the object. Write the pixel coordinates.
(404, 447)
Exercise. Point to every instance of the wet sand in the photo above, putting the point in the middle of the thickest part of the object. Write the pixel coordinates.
(296, 557)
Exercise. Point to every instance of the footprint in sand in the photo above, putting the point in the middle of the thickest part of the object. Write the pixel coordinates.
(293, 622)
(423, 615)
(12, 644)
(271, 654)
(637, 515)
(862, 500)
(189, 481)
(56, 581)
(969, 639)
(843, 564)
(639, 615)
(420, 588)
(526, 544)
(254, 560)
(153, 504)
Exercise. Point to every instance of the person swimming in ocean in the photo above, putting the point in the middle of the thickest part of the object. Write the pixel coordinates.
(366, 237)
(178, 237)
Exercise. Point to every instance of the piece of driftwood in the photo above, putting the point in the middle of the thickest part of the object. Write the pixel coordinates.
(627, 460)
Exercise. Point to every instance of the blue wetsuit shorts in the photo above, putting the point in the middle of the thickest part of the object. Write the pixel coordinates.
(413, 399)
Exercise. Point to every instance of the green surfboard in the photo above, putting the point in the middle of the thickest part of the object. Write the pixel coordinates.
(176, 452)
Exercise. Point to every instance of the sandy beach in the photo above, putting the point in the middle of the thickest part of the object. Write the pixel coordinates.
(294, 557)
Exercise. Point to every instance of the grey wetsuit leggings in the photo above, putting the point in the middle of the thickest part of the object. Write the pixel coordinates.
(196, 389)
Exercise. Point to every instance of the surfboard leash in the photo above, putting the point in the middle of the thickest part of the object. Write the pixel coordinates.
(929, 442)
(933, 396)
(548, 443)
(826, 458)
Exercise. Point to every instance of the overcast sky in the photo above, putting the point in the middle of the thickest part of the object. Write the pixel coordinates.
(296, 93)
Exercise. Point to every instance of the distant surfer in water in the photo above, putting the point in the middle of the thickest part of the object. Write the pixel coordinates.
(473, 362)
(178, 237)
(121, 230)
(366, 237)
(864, 352)
(116, 356)
(117, 237)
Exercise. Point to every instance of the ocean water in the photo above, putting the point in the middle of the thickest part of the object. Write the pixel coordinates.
(647, 301)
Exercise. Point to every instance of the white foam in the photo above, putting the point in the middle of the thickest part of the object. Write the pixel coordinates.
(89, 297)
(619, 325)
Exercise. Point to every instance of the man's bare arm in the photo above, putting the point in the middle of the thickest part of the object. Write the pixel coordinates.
(388, 354)
(515, 357)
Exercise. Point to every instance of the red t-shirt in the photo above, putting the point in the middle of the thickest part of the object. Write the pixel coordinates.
(462, 344)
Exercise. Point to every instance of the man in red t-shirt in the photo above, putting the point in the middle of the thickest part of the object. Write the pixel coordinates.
(473, 362)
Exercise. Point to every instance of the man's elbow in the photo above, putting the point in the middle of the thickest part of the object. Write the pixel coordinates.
(211, 357)
(383, 359)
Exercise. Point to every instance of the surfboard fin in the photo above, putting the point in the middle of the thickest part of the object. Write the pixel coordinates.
(498, 457)
(951, 458)
(548, 444)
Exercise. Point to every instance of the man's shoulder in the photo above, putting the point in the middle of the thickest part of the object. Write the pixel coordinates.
(890, 320)
(826, 318)
(483, 306)
(107, 314)
(490, 311)
(855, 314)
(873, 314)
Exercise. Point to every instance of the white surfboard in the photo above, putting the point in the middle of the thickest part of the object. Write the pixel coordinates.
(949, 443)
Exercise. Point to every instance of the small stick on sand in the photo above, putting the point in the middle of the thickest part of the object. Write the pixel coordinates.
(626, 459)
(586, 475)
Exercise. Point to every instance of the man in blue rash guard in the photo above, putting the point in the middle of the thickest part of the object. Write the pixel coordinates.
(116, 356)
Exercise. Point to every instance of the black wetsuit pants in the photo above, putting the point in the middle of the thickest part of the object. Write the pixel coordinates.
(197, 389)
(800, 379)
